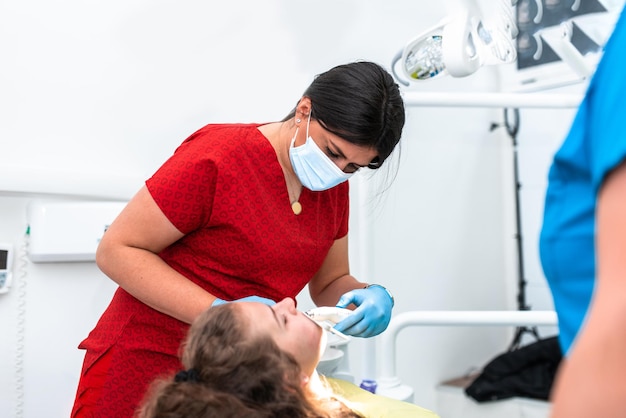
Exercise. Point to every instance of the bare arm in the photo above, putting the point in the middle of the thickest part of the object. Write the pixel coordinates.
(592, 382)
(333, 279)
(128, 255)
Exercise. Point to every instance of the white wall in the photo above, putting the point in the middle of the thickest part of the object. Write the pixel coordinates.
(97, 94)
(48, 311)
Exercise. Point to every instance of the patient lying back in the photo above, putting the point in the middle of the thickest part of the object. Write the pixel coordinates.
(249, 359)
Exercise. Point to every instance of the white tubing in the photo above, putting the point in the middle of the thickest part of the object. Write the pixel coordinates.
(504, 100)
(389, 383)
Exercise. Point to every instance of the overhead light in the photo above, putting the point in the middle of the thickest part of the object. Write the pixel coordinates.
(422, 58)
(461, 43)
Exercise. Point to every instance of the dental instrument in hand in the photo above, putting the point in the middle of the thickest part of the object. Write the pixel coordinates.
(329, 316)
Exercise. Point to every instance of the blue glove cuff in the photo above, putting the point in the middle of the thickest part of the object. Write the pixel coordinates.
(393, 301)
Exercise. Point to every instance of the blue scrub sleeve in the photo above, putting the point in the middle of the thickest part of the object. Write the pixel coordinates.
(606, 107)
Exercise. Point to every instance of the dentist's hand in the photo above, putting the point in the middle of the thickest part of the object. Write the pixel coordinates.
(373, 312)
(266, 301)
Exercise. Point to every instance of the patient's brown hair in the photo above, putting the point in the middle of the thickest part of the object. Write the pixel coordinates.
(234, 372)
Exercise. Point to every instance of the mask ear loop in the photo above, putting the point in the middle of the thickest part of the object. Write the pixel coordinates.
(308, 122)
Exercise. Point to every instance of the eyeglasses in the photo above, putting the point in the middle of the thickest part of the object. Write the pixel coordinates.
(352, 168)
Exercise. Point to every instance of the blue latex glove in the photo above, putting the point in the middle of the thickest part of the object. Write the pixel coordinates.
(372, 314)
(266, 301)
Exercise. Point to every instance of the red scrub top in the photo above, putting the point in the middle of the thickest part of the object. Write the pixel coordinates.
(225, 190)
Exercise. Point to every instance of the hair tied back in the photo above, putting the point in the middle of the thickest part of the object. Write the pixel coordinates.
(190, 375)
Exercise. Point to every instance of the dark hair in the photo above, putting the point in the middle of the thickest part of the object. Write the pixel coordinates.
(234, 373)
(361, 103)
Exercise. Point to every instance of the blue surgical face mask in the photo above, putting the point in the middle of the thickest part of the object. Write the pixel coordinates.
(315, 170)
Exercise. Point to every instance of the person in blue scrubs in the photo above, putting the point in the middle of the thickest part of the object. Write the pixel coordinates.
(583, 244)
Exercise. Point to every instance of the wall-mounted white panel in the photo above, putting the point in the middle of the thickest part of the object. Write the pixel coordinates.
(63, 231)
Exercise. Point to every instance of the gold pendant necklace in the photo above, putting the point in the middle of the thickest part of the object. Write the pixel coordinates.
(296, 207)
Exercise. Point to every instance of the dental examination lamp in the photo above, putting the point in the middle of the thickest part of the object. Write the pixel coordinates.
(462, 42)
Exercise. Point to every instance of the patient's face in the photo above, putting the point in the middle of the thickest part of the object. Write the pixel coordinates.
(292, 331)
